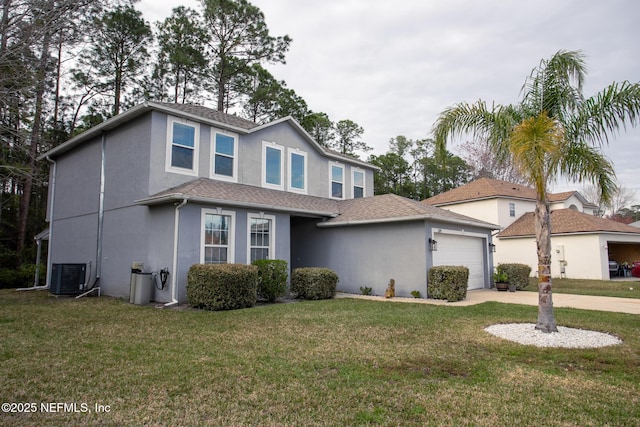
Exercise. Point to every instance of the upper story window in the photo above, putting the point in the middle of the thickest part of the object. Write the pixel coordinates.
(272, 170)
(298, 171)
(217, 237)
(182, 146)
(512, 209)
(336, 172)
(224, 160)
(358, 183)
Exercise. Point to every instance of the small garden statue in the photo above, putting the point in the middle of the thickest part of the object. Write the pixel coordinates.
(391, 289)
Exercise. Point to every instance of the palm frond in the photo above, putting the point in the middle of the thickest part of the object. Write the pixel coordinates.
(581, 161)
(604, 114)
(493, 125)
(555, 85)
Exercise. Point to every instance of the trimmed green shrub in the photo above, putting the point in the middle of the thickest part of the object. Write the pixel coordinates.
(517, 274)
(366, 290)
(222, 286)
(272, 278)
(448, 282)
(314, 283)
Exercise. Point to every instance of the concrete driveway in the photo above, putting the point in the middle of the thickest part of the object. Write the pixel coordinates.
(477, 296)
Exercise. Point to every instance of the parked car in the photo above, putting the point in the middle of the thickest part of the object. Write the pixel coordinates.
(635, 269)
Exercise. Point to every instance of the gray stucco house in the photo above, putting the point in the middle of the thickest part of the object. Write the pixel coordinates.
(172, 185)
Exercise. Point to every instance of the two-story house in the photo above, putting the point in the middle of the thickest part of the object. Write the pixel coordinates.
(171, 185)
(582, 244)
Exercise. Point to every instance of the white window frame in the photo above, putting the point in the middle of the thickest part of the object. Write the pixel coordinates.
(272, 145)
(169, 145)
(340, 166)
(512, 209)
(353, 182)
(212, 166)
(232, 234)
(297, 152)
(272, 232)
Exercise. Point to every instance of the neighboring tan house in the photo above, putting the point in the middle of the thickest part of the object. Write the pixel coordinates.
(172, 185)
(582, 244)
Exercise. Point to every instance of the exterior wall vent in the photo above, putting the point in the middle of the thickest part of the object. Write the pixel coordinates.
(68, 279)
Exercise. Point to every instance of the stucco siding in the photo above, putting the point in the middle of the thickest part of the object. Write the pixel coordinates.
(583, 255)
(483, 210)
(125, 240)
(366, 255)
(189, 240)
(78, 182)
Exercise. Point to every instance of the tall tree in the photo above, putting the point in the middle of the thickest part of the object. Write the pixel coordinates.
(319, 126)
(118, 51)
(181, 55)
(553, 131)
(484, 163)
(394, 175)
(30, 31)
(238, 38)
(347, 138)
(439, 176)
(267, 99)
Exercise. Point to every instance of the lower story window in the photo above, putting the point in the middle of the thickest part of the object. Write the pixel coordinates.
(261, 237)
(217, 237)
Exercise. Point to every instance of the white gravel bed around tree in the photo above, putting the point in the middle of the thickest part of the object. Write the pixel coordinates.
(525, 333)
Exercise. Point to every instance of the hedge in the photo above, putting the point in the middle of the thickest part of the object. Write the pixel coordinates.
(222, 286)
(272, 278)
(448, 282)
(314, 283)
(517, 274)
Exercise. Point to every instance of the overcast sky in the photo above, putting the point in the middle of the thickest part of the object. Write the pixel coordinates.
(393, 66)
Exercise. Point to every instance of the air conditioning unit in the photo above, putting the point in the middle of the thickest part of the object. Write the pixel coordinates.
(68, 279)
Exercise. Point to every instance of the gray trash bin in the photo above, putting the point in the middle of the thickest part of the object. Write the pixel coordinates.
(143, 288)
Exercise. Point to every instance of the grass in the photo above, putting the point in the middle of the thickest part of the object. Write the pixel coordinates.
(605, 288)
(333, 362)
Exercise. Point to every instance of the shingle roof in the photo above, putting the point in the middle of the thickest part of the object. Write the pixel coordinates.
(209, 113)
(564, 221)
(383, 208)
(393, 208)
(486, 188)
(212, 191)
(481, 189)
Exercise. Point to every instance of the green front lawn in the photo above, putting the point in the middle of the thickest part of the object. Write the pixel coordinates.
(334, 362)
(605, 288)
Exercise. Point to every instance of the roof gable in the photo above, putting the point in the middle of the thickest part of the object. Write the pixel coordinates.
(566, 221)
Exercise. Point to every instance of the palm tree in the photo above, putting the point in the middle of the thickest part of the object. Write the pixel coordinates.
(553, 131)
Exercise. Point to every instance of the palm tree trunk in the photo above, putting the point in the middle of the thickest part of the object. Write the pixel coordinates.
(542, 219)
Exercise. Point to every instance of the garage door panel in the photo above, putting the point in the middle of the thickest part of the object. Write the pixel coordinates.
(462, 250)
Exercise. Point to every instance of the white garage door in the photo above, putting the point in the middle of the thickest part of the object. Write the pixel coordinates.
(462, 250)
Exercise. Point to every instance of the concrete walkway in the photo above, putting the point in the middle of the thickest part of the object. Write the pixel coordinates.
(478, 296)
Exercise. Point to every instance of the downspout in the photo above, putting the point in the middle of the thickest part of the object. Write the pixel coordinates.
(100, 211)
(176, 235)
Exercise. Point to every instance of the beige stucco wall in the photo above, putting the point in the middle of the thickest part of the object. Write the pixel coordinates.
(585, 255)
(484, 210)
